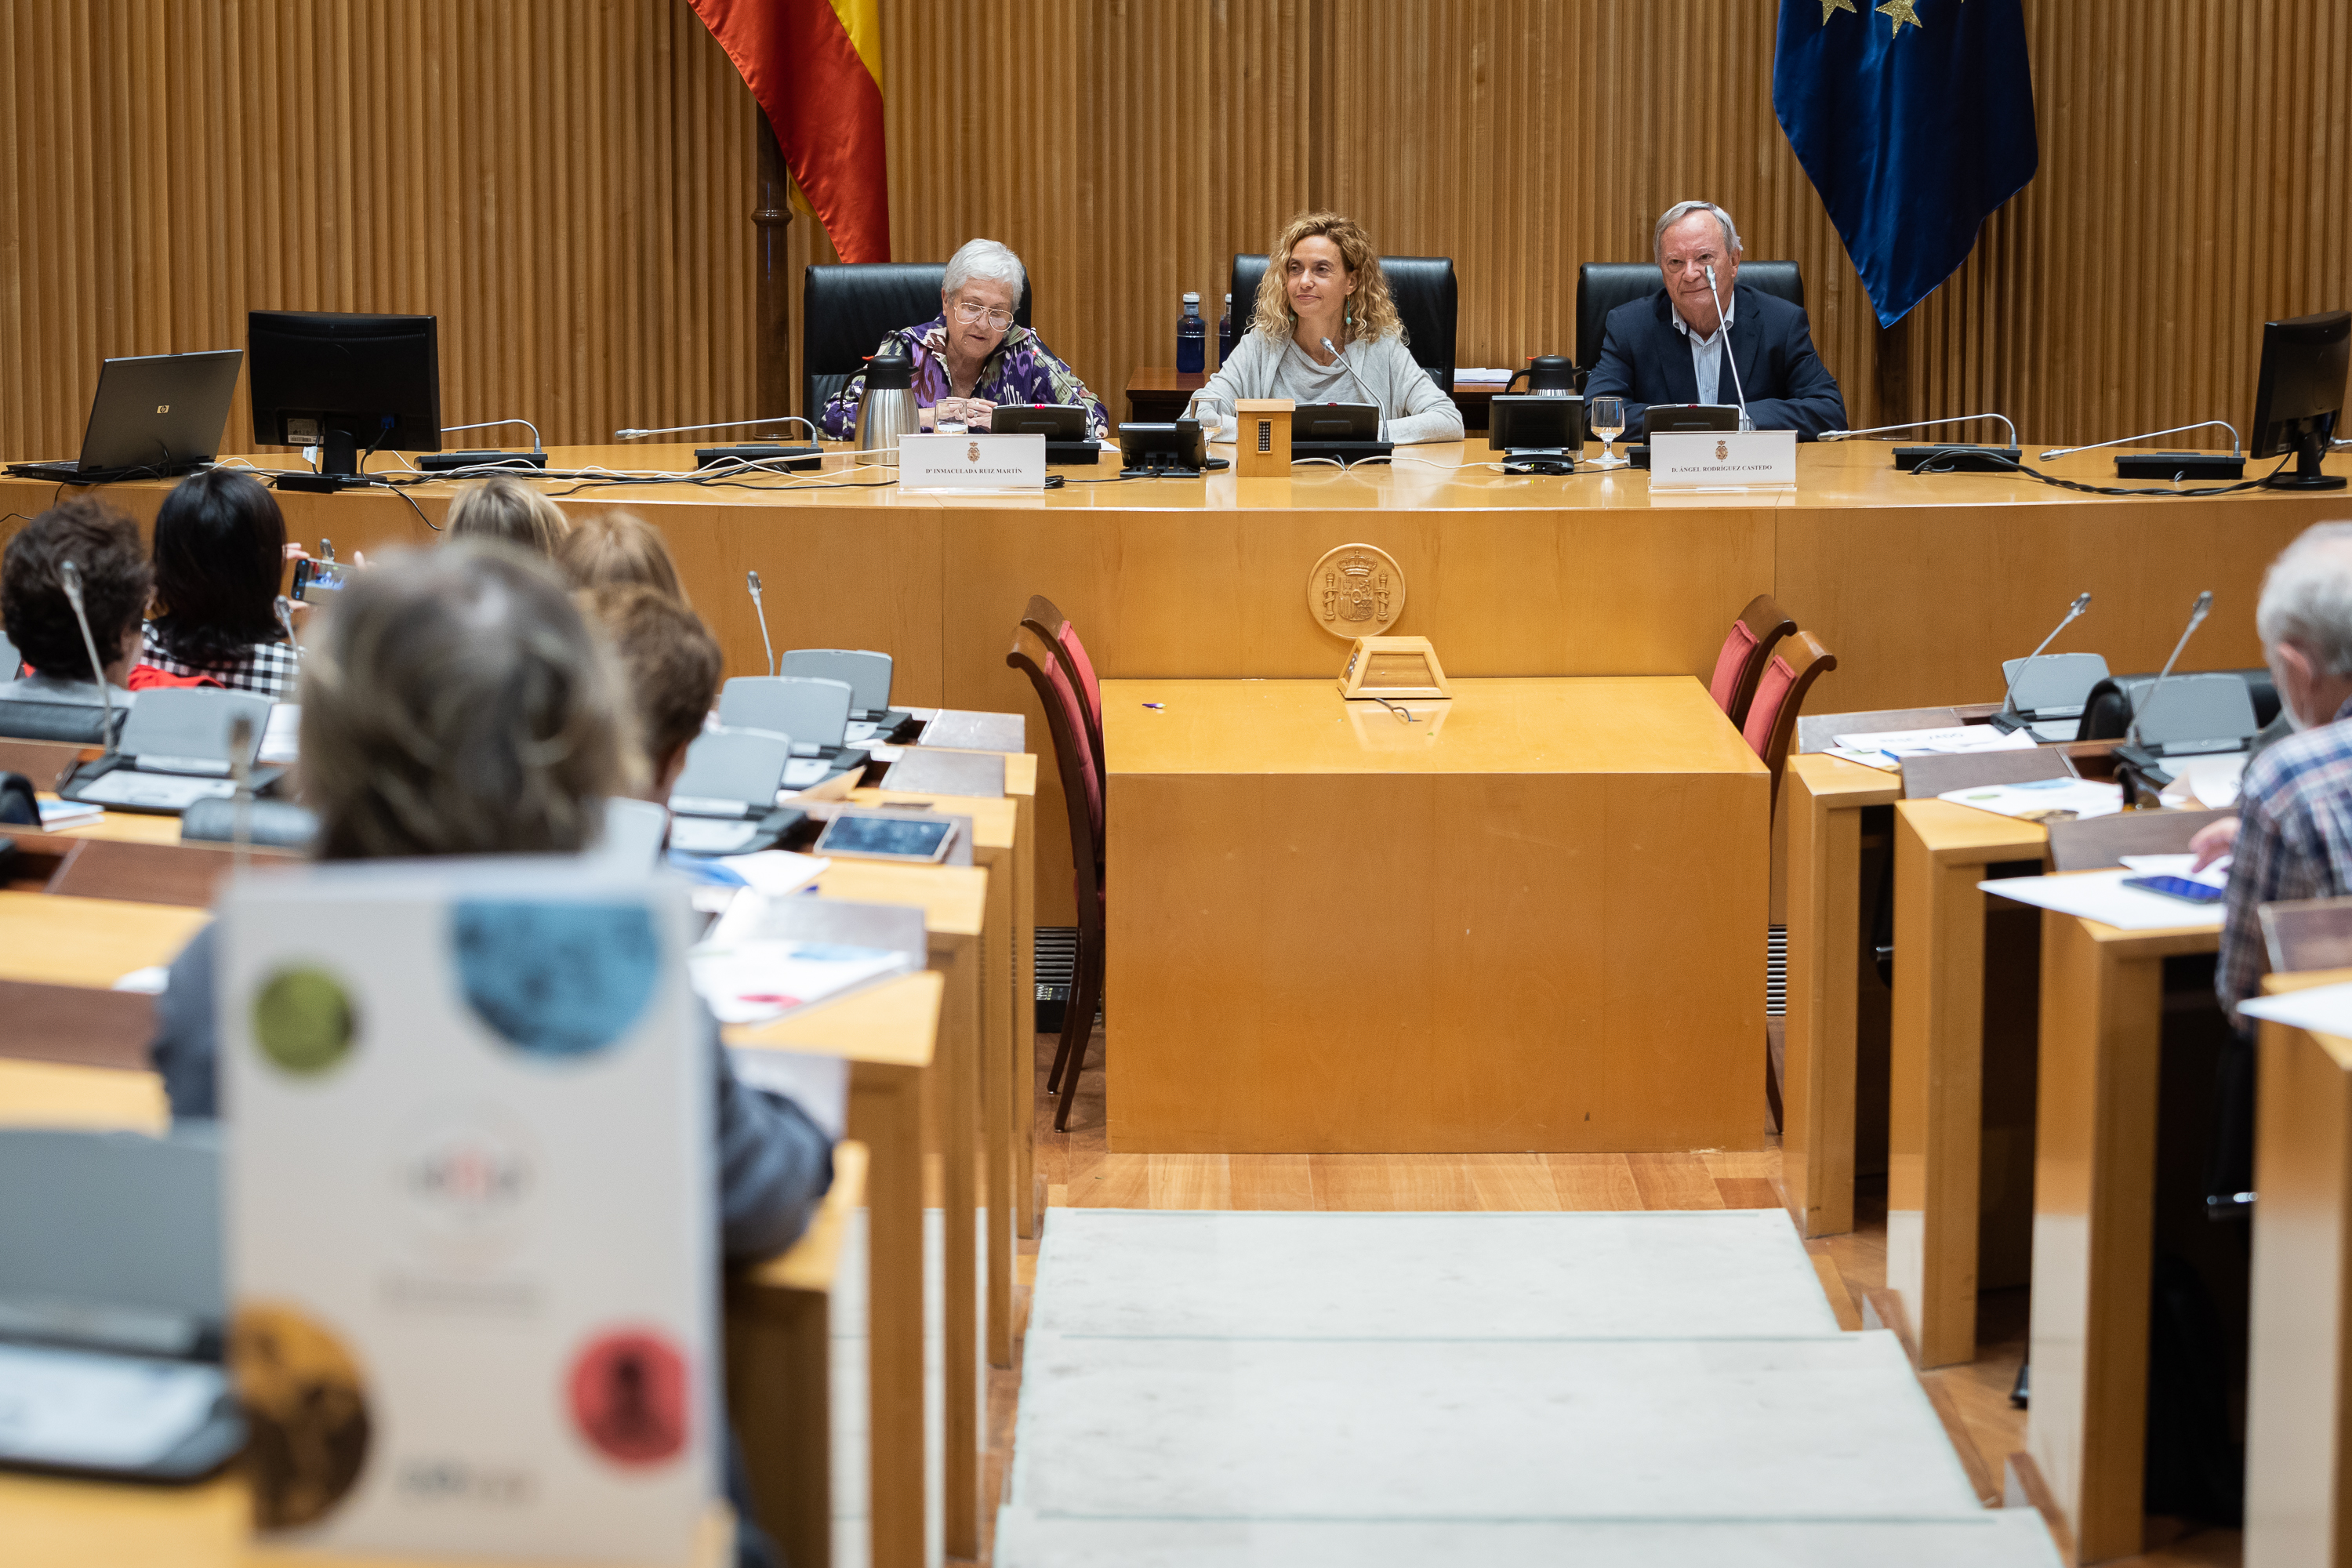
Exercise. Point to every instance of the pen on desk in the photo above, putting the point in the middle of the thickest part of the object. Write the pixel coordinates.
(1155, 705)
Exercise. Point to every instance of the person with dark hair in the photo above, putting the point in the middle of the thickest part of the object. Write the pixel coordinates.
(38, 616)
(220, 548)
(671, 664)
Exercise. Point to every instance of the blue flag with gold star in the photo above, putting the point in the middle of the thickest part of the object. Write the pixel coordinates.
(1914, 121)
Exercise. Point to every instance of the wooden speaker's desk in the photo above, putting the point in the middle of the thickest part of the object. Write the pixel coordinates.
(1531, 919)
(1921, 583)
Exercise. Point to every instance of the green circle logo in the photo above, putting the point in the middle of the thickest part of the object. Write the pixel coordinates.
(303, 1021)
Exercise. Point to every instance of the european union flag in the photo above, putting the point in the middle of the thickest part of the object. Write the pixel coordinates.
(1915, 119)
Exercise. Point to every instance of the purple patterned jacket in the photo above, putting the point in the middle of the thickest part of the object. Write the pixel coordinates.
(1022, 369)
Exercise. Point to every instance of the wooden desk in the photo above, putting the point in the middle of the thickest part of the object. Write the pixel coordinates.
(1936, 1074)
(1920, 584)
(1822, 802)
(2094, 1173)
(890, 1036)
(1531, 922)
(954, 902)
(1157, 393)
(59, 940)
(2299, 1371)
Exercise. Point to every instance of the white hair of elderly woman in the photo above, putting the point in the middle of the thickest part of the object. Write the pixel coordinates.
(2307, 598)
(1681, 210)
(984, 258)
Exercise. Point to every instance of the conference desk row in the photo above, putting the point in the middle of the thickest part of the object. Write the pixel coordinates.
(1920, 584)
(939, 1078)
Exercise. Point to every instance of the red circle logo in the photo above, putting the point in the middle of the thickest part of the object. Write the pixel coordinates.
(629, 1396)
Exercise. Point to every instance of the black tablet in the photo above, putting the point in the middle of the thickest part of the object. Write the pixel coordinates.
(921, 840)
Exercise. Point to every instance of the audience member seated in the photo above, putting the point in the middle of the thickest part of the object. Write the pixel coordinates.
(39, 618)
(671, 664)
(1668, 348)
(220, 551)
(502, 507)
(614, 549)
(456, 703)
(970, 356)
(1323, 279)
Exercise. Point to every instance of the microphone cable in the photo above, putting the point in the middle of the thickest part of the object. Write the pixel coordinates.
(1943, 459)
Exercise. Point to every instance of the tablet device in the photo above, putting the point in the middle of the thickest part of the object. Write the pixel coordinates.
(922, 840)
(1054, 421)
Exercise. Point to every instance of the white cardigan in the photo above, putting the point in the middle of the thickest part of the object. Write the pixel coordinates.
(1411, 407)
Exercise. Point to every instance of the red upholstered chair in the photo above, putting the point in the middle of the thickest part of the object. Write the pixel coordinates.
(1082, 788)
(1789, 675)
(1049, 623)
(1740, 665)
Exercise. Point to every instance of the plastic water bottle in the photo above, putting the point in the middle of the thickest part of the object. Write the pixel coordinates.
(1191, 338)
(1225, 333)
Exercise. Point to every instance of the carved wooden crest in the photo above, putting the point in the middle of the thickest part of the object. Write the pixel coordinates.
(1356, 591)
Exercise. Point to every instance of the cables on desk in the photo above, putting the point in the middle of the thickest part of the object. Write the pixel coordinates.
(1930, 464)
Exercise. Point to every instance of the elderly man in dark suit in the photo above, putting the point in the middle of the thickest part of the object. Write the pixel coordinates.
(1668, 348)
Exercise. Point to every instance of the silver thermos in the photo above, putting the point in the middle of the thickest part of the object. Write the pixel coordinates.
(888, 410)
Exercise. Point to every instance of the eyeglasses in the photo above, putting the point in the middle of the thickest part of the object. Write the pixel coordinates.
(969, 313)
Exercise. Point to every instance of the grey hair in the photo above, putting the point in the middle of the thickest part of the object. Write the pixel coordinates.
(984, 258)
(2307, 596)
(1681, 210)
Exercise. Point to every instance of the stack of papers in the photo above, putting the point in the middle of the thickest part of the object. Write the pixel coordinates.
(1888, 747)
(754, 981)
(57, 814)
(2322, 1009)
(2205, 782)
(2042, 800)
(1481, 377)
(2101, 896)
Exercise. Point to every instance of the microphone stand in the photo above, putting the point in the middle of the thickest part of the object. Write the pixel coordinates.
(1954, 457)
(2135, 765)
(1723, 325)
(69, 578)
(2006, 720)
(1381, 429)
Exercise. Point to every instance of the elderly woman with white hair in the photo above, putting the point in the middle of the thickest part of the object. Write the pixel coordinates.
(970, 356)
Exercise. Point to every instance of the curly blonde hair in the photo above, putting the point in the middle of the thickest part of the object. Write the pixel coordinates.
(1370, 312)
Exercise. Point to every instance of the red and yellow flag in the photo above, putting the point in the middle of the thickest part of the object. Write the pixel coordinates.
(815, 67)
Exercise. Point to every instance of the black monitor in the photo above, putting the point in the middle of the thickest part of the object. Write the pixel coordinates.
(2299, 397)
(347, 384)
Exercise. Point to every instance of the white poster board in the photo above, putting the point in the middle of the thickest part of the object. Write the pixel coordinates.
(470, 1207)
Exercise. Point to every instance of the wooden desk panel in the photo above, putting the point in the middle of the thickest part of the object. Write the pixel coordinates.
(1530, 928)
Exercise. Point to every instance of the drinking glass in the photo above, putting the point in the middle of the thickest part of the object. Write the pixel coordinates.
(1607, 417)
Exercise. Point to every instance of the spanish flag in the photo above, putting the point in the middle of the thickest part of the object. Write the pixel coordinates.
(815, 67)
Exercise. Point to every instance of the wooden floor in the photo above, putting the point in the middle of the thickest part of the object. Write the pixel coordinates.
(1973, 1399)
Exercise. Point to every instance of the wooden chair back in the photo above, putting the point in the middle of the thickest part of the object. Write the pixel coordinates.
(1081, 784)
(1924, 778)
(1789, 675)
(2308, 934)
(1740, 663)
(1819, 731)
(1049, 623)
(2101, 842)
(182, 874)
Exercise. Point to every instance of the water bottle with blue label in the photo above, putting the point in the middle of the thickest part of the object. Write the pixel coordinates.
(1191, 338)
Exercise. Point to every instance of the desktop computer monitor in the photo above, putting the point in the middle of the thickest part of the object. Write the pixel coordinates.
(2299, 399)
(347, 384)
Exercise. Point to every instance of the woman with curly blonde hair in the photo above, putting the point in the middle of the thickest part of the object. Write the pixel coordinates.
(1323, 283)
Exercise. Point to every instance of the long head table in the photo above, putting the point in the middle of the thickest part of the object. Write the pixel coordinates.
(1920, 584)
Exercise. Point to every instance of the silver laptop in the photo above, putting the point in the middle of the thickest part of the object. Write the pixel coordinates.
(156, 416)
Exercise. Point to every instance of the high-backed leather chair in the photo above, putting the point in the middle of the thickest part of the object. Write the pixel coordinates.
(1428, 302)
(1740, 664)
(1789, 676)
(846, 308)
(1602, 286)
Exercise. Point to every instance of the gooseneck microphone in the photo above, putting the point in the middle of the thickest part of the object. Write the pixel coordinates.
(285, 608)
(2197, 614)
(69, 578)
(815, 434)
(762, 609)
(1380, 412)
(2006, 720)
(240, 767)
(1723, 325)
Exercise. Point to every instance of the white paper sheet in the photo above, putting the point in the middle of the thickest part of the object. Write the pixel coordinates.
(776, 873)
(57, 814)
(281, 736)
(2323, 1009)
(2217, 874)
(72, 1407)
(752, 982)
(2205, 782)
(2101, 896)
(2042, 800)
(1950, 740)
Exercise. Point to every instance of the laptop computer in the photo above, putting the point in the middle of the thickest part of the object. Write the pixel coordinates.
(154, 418)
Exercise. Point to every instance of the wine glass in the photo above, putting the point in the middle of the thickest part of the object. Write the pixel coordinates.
(1607, 417)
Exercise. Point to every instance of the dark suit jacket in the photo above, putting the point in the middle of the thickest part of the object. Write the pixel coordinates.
(1644, 360)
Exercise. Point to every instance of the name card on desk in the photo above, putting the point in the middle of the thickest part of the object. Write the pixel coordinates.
(1724, 459)
(971, 462)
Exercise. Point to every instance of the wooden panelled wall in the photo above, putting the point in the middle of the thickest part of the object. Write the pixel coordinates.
(569, 187)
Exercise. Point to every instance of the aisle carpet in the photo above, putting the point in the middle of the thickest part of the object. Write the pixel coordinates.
(1652, 1388)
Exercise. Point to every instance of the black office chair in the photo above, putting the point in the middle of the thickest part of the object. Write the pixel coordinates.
(1427, 300)
(846, 308)
(1602, 286)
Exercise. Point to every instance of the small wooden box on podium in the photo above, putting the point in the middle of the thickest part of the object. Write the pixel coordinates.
(1261, 444)
(1396, 669)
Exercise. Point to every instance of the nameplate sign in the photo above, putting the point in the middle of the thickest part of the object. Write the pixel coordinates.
(1726, 459)
(971, 462)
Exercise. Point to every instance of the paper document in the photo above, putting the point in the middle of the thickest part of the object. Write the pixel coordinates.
(2322, 1009)
(701, 836)
(2205, 782)
(2042, 800)
(1896, 744)
(2101, 896)
(57, 814)
(776, 873)
(752, 980)
(105, 1412)
(2217, 874)
(281, 736)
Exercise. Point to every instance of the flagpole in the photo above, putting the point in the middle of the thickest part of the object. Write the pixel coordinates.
(771, 348)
